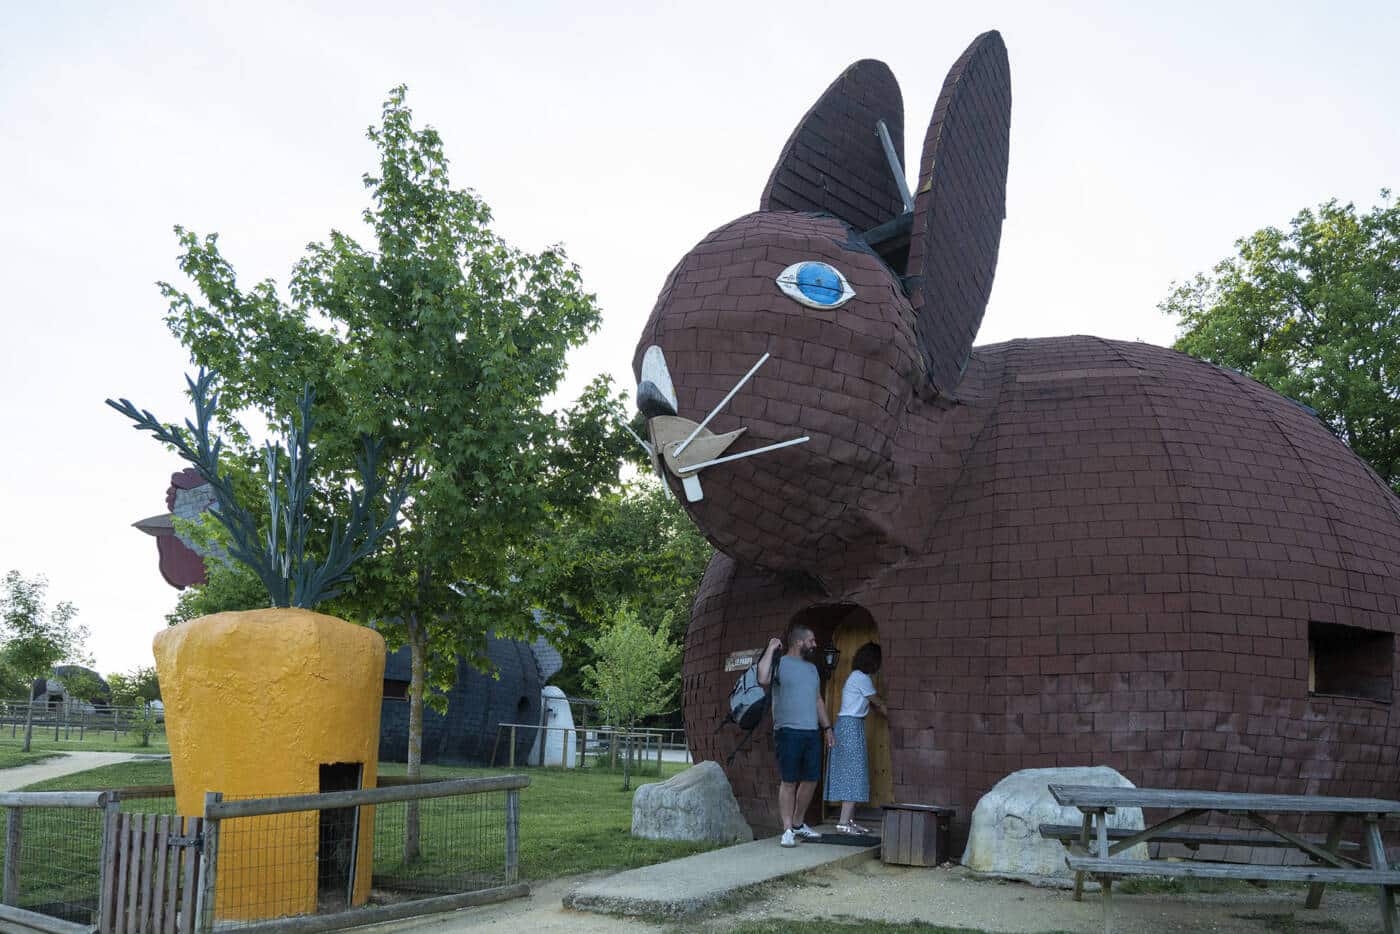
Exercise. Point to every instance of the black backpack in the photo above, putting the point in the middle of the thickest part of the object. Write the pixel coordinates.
(748, 703)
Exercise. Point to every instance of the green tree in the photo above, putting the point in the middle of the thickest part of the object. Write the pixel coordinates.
(37, 638)
(226, 587)
(82, 684)
(444, 341)
(627, 677)
(12, 683)
(635, 546)
(135, 690)
(1313, 312)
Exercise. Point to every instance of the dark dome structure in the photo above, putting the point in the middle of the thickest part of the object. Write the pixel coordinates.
(476, 705)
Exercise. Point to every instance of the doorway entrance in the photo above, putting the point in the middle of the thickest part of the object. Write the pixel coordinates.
(339, 839)
(854, 630)
(846, 627)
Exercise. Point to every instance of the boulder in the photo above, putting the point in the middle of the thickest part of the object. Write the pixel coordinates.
(697, 804)
(1005, 839)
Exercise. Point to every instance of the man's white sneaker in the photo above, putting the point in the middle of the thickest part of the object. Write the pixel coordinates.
(807, 833)
(788, 839)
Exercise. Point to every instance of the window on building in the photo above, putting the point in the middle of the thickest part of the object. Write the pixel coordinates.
(1347, 661)
(394, 689)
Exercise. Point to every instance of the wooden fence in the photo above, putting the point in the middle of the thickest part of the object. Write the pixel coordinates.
(159, 873)
(646, 745)
(73, 721)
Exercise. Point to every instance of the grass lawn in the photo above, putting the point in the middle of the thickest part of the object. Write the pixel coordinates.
(121, 775)
(44, 743)
(571, 820)
(576, 820)
(9, 758)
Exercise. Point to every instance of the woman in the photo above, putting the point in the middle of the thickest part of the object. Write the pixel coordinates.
(848, 774)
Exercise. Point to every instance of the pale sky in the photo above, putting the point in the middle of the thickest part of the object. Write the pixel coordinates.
(1144, 142)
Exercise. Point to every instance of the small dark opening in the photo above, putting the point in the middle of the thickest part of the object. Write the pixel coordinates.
(335, 858)
(1348, 661)
(394, 689)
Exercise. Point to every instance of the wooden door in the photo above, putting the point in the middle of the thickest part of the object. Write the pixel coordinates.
(853, 632)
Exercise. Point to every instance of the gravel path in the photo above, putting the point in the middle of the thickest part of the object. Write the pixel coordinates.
(64, 763)
(950, 896)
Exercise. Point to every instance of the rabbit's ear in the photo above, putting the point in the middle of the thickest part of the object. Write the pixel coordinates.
(959, 206)
(834, 161)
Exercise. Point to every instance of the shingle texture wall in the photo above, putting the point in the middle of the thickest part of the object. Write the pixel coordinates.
(1122, 573)
(834, 161)
(1081, 552)
(960, 203)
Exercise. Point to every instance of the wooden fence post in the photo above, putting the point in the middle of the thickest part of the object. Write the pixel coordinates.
(114, 724)
(659, 746)
(13, 817)
(541, 732)
(208, 866)
(512, 836)
(107, 877)
(512, 745)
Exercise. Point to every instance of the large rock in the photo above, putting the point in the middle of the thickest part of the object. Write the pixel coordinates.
(697, 804)
(1005, 838)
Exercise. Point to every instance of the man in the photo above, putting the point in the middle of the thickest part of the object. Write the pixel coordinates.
(800, 723)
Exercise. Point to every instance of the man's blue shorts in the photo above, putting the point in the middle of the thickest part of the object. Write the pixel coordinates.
(799, 755)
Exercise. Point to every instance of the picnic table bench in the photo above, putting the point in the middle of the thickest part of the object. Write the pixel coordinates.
(1091, 852)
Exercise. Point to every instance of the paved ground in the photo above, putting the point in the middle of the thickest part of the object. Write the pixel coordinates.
(871, 890)
(63, 763)
(684, 887)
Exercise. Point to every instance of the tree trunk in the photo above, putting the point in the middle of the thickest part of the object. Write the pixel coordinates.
(418, 649)
(626, 761)
(29, 721)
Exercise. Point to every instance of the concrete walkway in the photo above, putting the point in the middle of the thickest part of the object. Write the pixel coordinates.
(64, 763)
(682, 887)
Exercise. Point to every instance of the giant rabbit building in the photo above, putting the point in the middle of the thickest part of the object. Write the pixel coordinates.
(1074, 551)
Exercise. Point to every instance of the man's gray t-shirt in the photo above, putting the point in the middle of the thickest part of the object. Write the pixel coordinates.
(795, 692)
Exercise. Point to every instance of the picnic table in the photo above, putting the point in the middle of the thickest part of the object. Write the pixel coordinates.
(1093, 846)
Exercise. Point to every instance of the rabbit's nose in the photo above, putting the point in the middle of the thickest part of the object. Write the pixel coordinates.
(656, 394)
(651, 402)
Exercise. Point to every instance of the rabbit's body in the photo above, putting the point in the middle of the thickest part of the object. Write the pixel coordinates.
(1122, 570)
(1075, 551)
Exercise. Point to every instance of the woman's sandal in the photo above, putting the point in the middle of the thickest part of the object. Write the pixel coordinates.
(852, 828)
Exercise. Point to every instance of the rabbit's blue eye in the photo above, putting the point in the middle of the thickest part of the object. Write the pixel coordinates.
(815, 284)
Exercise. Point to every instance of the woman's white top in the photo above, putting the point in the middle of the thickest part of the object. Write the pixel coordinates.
(855, 696)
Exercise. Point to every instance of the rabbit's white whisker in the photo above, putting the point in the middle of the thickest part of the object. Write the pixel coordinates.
(646, 447)
(741, 455)
(715, 411)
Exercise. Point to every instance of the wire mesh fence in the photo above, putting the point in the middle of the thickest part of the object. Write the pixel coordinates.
(119, 860)
(360, 850)
(53, 861)
(54, 844)
(461, 846)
